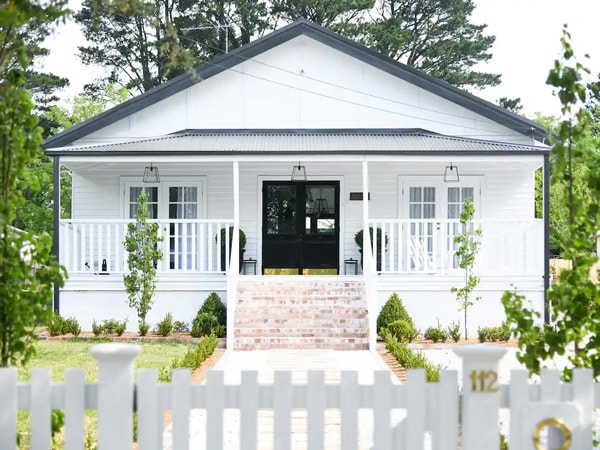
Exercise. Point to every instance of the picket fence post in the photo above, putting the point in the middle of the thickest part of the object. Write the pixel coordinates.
(480, 395)
(115, 394)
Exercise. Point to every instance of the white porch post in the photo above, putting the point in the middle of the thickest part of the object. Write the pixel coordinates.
(233, 271)
(368, 272)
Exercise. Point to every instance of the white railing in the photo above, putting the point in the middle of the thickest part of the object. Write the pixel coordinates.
(427, 246)
(96, 247)
(215, 415)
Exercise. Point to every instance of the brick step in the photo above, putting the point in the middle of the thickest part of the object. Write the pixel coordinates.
(295, 331)
(301, 313)
(301, 343)
(248, 324)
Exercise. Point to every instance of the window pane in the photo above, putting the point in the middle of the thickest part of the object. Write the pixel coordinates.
(320, 200)
(280, 209)
(453, 194)
(152, 193)
(454, 211)
(174, 194)
(467, 193)
(191, 194)
(415, 211)
(415, 194)
(429, 194)
(429, 211)
(190, 211)
(134, 193)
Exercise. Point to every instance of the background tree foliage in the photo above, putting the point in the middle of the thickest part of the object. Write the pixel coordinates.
(574, 300)
(36, 213)
(435, 36)
(27, 269)
(332, 14)
(153, 41)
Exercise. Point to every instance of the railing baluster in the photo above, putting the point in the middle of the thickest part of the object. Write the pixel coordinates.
(100, 246)
(206, 248)
(210, 263)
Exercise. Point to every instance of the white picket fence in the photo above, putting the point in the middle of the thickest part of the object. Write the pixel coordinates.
(561, 413)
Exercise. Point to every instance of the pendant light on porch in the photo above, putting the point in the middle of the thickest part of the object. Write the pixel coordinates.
(299, 173)
(451, 174)
(151, 174)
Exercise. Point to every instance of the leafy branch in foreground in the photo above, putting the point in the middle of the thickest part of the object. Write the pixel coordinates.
(574, 300)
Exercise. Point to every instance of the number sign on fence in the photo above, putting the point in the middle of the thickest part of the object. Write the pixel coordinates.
(411, 415)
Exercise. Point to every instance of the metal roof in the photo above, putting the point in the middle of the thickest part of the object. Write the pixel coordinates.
(209, 69)
(296, 141)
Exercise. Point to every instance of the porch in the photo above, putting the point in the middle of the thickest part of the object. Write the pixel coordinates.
(411, 246)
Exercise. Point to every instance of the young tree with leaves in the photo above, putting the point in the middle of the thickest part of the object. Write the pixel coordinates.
(574, 300)
(141, 244)
(468, 246)
(27, 270)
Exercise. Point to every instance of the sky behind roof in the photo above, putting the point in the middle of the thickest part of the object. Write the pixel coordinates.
(527, 43)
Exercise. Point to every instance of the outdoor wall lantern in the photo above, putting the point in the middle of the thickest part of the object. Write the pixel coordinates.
(151, 174)
(299, 173)
(451, 174)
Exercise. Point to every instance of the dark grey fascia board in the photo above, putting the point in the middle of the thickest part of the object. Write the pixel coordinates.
(302, 27)
(294, 131)
(84, 153)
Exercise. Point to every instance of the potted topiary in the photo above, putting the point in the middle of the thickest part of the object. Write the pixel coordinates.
(242, 241)
(358, 238)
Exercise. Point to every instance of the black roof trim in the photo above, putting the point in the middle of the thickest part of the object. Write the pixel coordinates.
(301, 27)
(83, 153)
(329, 131)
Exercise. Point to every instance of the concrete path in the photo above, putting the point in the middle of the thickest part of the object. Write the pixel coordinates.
(266, 362)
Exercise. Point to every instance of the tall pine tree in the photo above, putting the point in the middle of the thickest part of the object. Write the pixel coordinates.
(435, 36)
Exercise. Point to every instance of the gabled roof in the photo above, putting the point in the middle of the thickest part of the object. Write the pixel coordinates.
(301, 27)
(343, 141)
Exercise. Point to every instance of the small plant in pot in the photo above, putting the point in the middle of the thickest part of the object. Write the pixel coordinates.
(358, 238)
(242, 241)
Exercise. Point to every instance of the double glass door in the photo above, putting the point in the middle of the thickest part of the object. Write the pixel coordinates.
(300, 227)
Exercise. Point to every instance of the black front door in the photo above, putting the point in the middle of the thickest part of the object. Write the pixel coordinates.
(301, 227)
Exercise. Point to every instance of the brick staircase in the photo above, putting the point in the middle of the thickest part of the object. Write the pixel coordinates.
(301, 313)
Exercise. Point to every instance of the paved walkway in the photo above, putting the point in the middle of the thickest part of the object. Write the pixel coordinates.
(266, 362)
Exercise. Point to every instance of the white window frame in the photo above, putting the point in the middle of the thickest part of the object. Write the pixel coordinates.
(441, 193)
(163, 193)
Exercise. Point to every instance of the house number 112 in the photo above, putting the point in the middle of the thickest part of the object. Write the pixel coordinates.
(484, 381)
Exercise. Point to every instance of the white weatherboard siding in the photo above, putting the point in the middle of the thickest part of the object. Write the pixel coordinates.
(429, 299)
(304, 84)
(108, 300)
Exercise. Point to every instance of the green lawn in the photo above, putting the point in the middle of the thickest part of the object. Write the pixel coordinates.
(60, 355)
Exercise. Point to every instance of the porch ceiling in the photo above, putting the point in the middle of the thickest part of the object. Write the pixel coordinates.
(281, 142)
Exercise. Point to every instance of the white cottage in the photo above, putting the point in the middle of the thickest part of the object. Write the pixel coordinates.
(300, 139)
